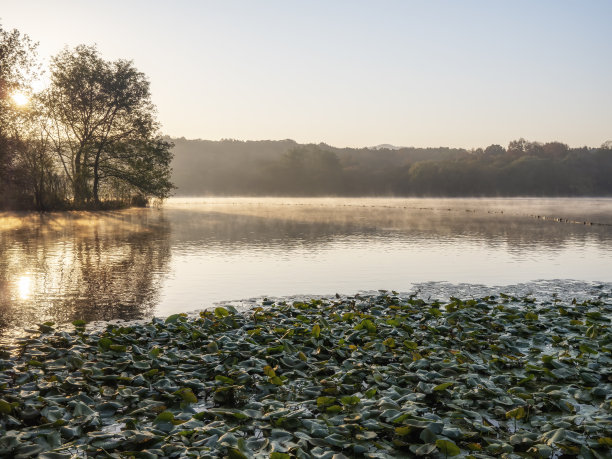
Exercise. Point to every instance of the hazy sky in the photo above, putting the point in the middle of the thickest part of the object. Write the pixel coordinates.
(354, 73)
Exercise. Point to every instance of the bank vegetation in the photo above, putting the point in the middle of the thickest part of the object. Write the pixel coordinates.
(89, 140)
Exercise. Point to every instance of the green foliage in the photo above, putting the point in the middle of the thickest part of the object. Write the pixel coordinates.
(90, 138)
(516, 413)
(350, 400)
(448, 448)
(165, 416)
(499, 383)
(442, 386)
(187, 395)
(5, 407)
(232, 167)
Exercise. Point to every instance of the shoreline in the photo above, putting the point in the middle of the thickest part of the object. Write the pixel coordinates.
(544, 290)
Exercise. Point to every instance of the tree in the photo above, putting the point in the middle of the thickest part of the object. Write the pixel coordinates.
(103, 126)
(17, 68)
(306, 170)
(495, 149)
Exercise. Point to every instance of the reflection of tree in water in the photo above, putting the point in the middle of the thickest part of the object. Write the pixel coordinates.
(82, 266)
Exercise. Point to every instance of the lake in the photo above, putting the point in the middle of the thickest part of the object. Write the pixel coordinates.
(192, 253)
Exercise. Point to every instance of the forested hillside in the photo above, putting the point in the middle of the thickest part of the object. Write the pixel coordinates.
(231, 167)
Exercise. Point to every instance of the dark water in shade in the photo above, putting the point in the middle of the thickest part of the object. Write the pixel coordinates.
(192, 253)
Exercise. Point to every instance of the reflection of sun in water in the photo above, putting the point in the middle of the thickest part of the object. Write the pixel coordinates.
(20, 98)
(24, 287)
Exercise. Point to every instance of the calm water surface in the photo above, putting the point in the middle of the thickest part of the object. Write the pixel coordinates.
(191, 253)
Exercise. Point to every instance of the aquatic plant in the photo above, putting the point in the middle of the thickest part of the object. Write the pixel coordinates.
(374, 376)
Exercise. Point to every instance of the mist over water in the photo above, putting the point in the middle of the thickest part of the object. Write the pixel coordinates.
(191, 253)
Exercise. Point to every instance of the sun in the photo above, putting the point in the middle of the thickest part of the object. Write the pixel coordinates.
(20, 98)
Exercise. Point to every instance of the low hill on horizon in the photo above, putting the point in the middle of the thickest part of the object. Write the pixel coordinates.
(285, 167)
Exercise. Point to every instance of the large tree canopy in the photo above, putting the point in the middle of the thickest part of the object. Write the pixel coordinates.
(90, 137)
(17, 67)
(103, 126)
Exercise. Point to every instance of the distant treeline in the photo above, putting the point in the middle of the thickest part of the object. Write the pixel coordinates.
(523, 168)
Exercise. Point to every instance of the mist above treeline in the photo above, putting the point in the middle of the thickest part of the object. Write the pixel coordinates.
(286, 168)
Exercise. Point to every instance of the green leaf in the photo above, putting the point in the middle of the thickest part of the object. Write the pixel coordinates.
(269, 371)
(350, 400)
(428, 435)
(325, 401)
(596, 315)
(277, 455)
(516, 413)
(5, 407)
(403, 430)
(164, 416)
(221, 312)
(235, 453)
(555, 436)
(606, 441)
(448, 447)
(275, 349)
(224, 379)
(187, 395)
(105, 343)
(316, 331)
(154, 353)
(367, 324)
(79, 323)
(443, 386)
(586, 349)
(592, 331)
(174, 318)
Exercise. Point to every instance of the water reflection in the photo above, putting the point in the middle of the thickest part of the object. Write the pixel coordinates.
(24, 285)
(192, 253)
(227, 225)
(240, 248)
(62, 267)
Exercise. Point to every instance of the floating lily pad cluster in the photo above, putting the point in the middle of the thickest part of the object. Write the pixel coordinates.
(378, 376)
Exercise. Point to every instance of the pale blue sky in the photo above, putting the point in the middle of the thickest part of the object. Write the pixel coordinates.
(354, 73)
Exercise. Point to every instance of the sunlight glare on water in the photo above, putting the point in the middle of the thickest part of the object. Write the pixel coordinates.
(24, 286)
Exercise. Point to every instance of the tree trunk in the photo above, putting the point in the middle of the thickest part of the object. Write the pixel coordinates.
(96, 173)
(96, 183)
